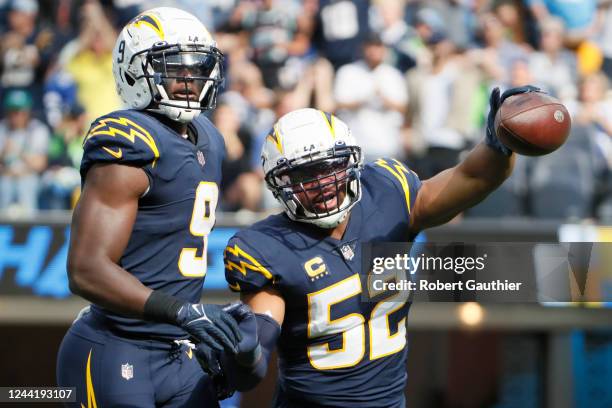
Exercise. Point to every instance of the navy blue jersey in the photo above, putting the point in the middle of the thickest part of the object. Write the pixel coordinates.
(167, 248)
(341, 28)
(335, 348)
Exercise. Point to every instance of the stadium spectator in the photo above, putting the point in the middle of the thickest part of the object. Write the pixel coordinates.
(29, 46)
(454, 16)
(88, 59)
(578, 16)
(593, 110)
(317, 84)
(497, 53)
(401, 39)
(603, 30)
(20, 56)
(61, 181)
(248, 96)
(441, 97)
(60, 94)
(341, 27)
(240, 186)
(371, 98)
(510, 15)
(429, 24)
(520, 73)
(23, 154)
(553, 66)
(275, 33)
(284, 103)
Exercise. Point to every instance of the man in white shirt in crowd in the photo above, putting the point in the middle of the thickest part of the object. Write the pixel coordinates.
(371, 97)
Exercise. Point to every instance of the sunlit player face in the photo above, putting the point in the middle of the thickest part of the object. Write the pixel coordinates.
(322, 186)
(184, 73)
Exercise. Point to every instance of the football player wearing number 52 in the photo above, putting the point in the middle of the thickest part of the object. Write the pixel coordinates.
(301, 270)
(150, 177)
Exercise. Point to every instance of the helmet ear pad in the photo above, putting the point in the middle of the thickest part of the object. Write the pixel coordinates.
(129, 79)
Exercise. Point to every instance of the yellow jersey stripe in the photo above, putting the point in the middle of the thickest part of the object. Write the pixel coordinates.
(252, 263)
(399, 172)
(91, 396)
(105, 127)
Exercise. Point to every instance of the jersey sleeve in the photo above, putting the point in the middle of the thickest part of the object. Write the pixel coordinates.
(402, 183)
(119, 139)
(245, 269)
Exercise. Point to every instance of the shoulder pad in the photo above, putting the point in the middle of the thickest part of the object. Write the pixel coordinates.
(404, 180)
(245, 269)
(119, 138)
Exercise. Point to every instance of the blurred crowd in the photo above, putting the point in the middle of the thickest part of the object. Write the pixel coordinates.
(411, 78)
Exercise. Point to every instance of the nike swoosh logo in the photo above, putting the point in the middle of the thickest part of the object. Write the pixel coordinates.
(199, 319)
(116, 154)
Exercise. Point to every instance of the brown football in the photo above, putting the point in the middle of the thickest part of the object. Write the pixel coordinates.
(532, 123)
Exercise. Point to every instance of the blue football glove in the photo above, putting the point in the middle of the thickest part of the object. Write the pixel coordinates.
(248, 349)
(210, 326)
(495, 101)
(210, 361)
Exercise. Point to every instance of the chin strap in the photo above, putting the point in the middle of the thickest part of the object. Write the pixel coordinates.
(182, 115)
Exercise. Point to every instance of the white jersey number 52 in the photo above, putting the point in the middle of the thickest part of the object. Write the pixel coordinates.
(352, 326)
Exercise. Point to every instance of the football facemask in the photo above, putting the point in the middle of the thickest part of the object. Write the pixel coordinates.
(184, 76)
(319, 188)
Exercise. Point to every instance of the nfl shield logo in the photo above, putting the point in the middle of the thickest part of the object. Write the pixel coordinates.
(127, 371)
(347, 252)
(201, 159)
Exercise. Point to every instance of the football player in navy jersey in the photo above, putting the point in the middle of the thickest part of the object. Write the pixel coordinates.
(150, 177)
(301, 270)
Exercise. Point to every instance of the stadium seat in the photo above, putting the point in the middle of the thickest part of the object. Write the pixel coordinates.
(562, 184)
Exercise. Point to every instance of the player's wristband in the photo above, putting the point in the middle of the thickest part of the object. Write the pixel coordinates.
(161, 307)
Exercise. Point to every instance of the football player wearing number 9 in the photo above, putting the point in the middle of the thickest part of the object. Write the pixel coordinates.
(301, 269)
(150, 178)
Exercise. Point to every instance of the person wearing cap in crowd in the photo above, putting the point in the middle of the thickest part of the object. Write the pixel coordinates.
(23, 153)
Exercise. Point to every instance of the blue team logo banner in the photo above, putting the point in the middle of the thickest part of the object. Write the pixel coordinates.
(33, 259)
